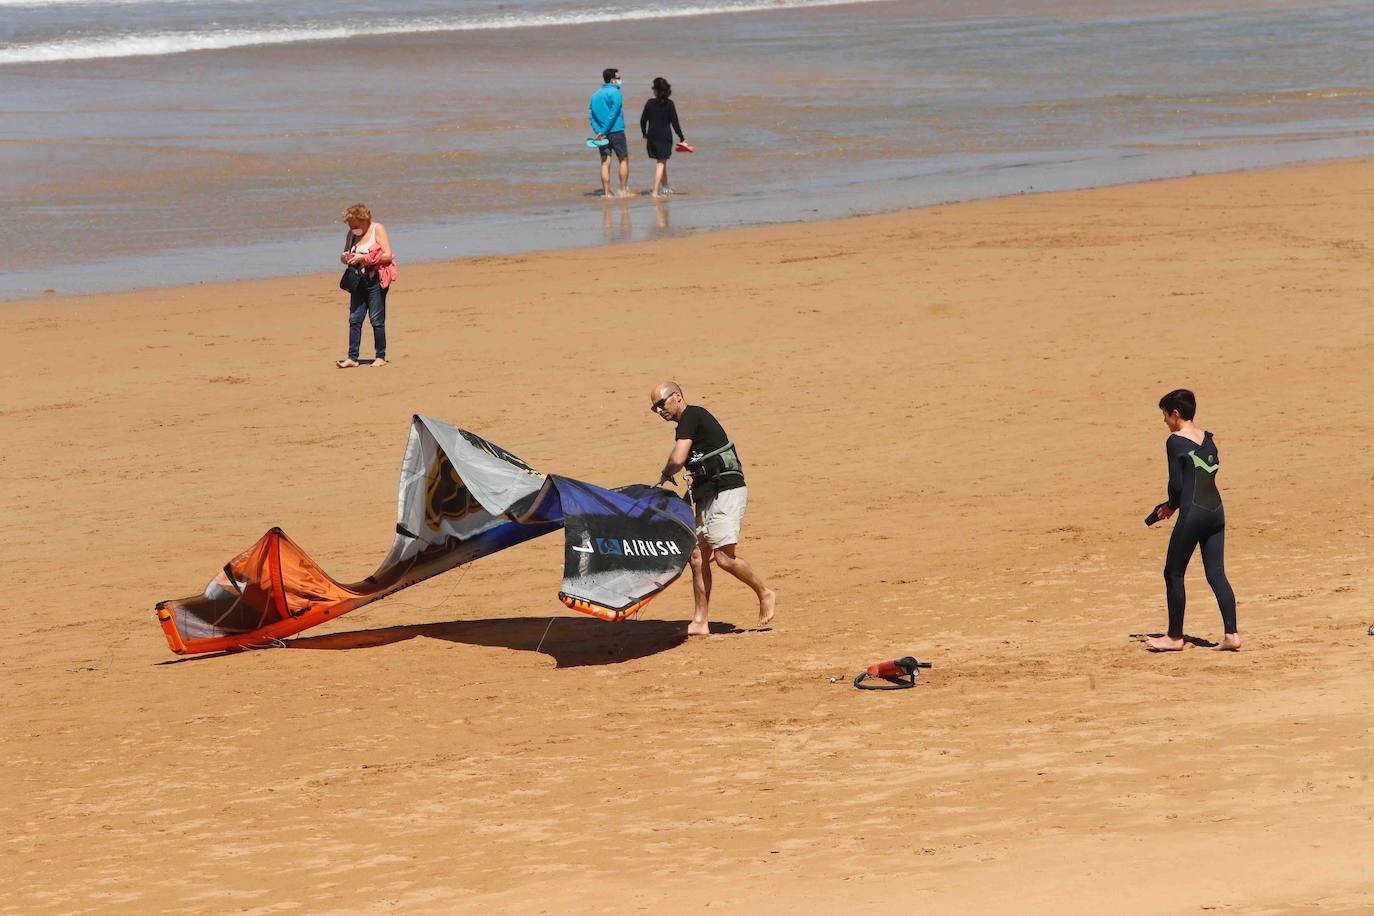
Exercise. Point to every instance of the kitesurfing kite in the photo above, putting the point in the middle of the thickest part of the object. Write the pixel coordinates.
(461, 498)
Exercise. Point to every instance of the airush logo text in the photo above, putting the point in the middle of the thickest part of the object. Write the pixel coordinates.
(631, 547)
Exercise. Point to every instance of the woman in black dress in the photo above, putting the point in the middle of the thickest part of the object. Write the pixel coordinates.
(657, 124)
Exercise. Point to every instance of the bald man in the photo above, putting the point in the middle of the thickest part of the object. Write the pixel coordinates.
(719, 495)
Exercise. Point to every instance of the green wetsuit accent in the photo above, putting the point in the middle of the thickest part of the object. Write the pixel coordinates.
(1199, 463)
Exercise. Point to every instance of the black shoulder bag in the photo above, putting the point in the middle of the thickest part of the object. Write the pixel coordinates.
(353, 275)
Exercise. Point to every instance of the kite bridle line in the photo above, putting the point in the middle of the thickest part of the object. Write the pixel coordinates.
(462, 572)
(272, 643)
(545, 636)
(275, 643)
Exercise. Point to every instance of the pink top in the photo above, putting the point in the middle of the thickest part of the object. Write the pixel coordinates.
(372, 253)
(386, 273)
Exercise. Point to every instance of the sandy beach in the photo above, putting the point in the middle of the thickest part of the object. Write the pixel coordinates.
(948, 421)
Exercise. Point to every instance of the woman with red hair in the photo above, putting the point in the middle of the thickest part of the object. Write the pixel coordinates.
(371, 270)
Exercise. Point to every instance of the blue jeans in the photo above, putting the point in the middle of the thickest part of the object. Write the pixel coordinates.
(368, 300)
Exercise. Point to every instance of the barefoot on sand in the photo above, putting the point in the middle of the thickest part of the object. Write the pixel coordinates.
(378, 363)
(698, 629)
(347, 363)
(1165, 644)
(767, 604)
(1230, 643)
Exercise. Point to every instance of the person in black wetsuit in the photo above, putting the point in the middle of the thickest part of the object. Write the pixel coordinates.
(657, 124)
(1193, 494)
(719, 495)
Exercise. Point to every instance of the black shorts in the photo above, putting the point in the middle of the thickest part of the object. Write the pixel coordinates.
(617, 145)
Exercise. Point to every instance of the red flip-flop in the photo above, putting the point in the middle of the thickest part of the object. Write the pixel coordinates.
(684, 147)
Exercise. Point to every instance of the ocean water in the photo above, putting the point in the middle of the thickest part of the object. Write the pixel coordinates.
(149, 142)
(58, 30)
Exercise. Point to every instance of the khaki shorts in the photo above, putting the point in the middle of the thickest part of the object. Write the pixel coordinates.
(720, 517)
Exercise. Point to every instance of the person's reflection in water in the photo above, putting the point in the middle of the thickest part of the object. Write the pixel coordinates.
(661, 212)
(616, 228)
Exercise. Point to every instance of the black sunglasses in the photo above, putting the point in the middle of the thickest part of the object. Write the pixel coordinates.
(656, 406)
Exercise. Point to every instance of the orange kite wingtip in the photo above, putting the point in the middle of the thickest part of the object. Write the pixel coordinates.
(605, 613)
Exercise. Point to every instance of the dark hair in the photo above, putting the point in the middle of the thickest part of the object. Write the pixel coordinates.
(662, 89)
(609, 74)
(1182, 400)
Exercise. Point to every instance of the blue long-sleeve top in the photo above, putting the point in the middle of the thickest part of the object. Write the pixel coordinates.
(606, 111)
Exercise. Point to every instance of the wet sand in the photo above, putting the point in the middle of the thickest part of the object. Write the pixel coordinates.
(947, 419)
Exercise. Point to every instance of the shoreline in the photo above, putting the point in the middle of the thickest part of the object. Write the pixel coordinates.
(569, 228)
(947, 419)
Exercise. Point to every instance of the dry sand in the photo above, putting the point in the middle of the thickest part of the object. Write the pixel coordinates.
(948, 422)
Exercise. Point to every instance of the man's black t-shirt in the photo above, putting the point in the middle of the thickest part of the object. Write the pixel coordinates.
(707, 435)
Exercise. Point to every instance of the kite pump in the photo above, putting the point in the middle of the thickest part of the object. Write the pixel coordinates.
(899, 672)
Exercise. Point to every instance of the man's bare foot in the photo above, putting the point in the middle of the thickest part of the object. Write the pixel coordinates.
(699, 628)
(347, 363)
(1165, 644)
(767, 604)
(1230, 643)
(379, 362)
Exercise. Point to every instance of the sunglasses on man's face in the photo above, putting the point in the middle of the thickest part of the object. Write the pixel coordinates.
(658, 405)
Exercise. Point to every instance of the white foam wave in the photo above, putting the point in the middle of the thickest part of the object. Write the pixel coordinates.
(158, 43)
(45, 4)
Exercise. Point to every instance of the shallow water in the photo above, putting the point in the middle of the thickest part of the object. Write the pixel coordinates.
(123, 171)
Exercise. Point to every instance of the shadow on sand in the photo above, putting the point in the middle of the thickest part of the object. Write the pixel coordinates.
(570, 641)
(1190, 640)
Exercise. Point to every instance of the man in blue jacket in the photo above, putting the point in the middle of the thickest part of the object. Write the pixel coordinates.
(607, 115)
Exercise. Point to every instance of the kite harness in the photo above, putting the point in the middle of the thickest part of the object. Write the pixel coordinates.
(720, 463)
(900, 673)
